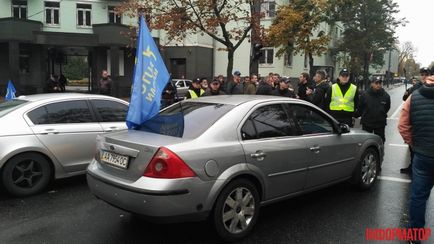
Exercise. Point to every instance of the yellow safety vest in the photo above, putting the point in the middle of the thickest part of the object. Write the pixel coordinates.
(193, 94)
(339, 101)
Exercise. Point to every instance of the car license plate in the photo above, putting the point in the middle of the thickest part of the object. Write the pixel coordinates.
(114, 159)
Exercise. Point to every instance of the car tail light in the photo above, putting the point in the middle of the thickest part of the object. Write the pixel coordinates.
(166, 164)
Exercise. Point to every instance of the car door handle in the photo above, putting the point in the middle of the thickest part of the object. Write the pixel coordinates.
(111, 128)
(50, 131)
(260, 155)
(315, 149)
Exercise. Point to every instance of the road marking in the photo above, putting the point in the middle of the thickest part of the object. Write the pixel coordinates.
(394, 179)
(398, 145)
(397, 111)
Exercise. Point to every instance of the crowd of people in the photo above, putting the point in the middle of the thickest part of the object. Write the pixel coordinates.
(340, 99)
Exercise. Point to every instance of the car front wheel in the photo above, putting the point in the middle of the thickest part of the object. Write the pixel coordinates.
(26, 174)
(367, 170)
(236, 210)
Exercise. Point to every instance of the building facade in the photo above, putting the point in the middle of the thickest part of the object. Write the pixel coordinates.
(37, 38)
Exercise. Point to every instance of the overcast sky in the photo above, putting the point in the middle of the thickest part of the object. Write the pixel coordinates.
(420, 29)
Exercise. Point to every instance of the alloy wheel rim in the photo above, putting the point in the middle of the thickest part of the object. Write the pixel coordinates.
(369, 169)
(26, 174)
(238, 210)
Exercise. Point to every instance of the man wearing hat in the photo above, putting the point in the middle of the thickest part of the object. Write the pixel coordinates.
(235, 86)
(343, 99)
(214, 89)
(416, 126)
(373, 107)
(283, 89)
(195, 90)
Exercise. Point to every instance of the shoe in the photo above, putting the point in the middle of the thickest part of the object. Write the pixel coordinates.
(405, 171)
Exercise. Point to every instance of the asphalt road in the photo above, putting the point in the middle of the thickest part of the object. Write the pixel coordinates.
(69, 213)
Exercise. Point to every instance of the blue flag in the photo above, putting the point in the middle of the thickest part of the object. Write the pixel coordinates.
(10, 91)
(150, 78)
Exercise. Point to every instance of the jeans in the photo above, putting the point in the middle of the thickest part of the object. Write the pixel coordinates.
(421, 185)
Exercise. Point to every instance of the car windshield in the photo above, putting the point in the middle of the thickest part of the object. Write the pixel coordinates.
(186, 119)
(9, 106)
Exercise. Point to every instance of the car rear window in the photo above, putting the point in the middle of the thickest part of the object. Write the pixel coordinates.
(9, 106)
(186, 119)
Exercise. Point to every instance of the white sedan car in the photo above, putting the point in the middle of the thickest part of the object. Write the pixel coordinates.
(51, 136)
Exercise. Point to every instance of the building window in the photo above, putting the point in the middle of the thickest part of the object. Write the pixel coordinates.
(269, 8)
(288, 58)
(267, 55)
(112, 16)
(19, 9)
(24, 59)
(84, 15)
(52, 13)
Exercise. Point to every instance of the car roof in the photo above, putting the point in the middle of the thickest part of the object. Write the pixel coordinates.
(59, 96)
(239, 99)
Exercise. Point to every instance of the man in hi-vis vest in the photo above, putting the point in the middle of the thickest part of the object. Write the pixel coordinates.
(343, 99)
(195, 90)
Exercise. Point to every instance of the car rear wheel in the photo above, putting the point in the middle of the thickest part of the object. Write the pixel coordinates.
(26, 174)
(367, 169)
(236, 210)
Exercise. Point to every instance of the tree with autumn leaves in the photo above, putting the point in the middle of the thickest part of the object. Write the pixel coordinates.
(229, 22)
(295, 29)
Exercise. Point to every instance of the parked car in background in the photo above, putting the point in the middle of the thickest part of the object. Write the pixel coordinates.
(51, 136)
(182, 86)
(235, 154)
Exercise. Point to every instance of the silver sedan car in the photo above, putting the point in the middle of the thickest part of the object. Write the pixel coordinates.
(234, 154)
(50, 136)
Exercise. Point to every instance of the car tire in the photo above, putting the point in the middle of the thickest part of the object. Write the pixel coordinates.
(367, 170)
(26, 174)
(234, 218)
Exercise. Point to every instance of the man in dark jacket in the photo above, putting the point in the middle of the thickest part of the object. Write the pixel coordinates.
(320, 91)
(235, 87)
(214, 89)
(283, 89)
(304, 90)
(373, 107)
(424, 73)
(416, 126)
(342, 99)
(266, 87)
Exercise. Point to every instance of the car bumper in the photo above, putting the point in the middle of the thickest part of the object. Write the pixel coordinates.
(157, 206)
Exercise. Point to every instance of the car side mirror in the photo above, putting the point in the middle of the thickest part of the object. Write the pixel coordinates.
(344, 128)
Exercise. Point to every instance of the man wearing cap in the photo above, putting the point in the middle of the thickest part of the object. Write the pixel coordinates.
(235, 86)
(283, 89)
(373, 107)
(214, 89)
(195, 90)
(416, 126)
(343, 99)
(424, 73)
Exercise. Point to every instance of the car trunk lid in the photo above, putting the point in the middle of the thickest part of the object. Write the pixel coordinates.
(126, 154)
